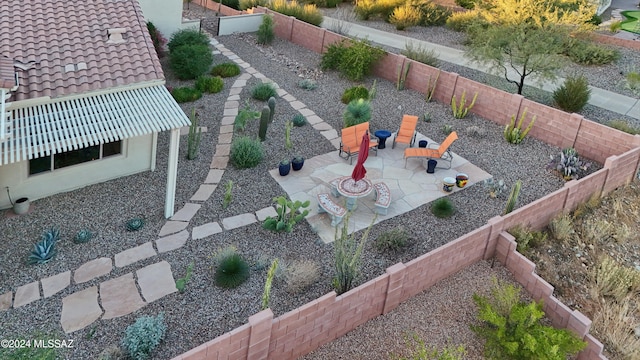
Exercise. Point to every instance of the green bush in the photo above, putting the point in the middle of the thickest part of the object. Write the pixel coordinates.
(209, 84)
(308, 84)
(299, 120)
(186, 94)
(157, 39)
(623, 125)
(231, 272)
(353, 58)
(248, 4)
(587, 53)
(187, 37)
(357, 112)
(465, 21)
(263, 91)
(420, 54)
(234, 4)
(421, 351)
(467, 4)
(144, 336)
(265, 30)
(308, 13)
(573, 95)
(405, 16)
(355, 93)
(442, 208)
(246, 152)
(392, 240)
(226, 70)
(364, 9)
(432, 14)
(512, 329)
(190, 61)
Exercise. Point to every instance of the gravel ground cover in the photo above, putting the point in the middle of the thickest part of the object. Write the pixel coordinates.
(205, 311)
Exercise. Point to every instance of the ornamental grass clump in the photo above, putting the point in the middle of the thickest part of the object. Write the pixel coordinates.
(226, 70)
(442, 208)
(209, 84)
(186, 94)
(393, 240)
(405, 16)
(231, 271)
(357, 112)
(264, 91)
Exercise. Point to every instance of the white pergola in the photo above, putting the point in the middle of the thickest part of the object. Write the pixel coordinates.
(74, 123)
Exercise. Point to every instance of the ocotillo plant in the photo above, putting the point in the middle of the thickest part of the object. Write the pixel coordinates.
(513, 197)
(272, 108)
(264, 123)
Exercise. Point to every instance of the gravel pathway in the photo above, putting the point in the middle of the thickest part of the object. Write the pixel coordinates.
(204, 311)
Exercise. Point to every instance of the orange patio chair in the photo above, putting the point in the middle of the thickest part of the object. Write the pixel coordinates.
(351, 138)
(442, 153)
(406, 134)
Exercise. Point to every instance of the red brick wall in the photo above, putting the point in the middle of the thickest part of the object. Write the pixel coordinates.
(622, 169)
(538, 213)
(597, 142)
(307, 35)
(631, 44)
(580, 191)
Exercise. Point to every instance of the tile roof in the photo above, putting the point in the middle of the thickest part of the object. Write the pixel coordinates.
(62, 47)
(7, 79)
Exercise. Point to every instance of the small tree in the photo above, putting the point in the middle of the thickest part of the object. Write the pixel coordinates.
(265, 31)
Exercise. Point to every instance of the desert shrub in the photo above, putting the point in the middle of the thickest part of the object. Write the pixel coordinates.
(308, 84)
(32, 352)
(421, 54)
(234, 4)
(190, 61)
(475, 131)
(353, 58)
(526, 238)
(392, 240)
(465, 21)
(299, 120)
(615, 26)
(364, 9)
(512, 328)
(442, 208)
(561, 227)
(355, 93)
(573, 94)
(226, 70)
(265, 30)
(420, 351)
(357, 112)
(246, 152)
(632, 81)
(209, 84)
(186, 94)
(614, 280)
(298, 275)
(623, 125)
(405, 16)
(308, 13)
(615, 322)
(187, 37)
(467, 4)
(156, 38)
(231, 272)
(348, 256)
(432, 14)
(143, 336)
(587, 53)
(264, 91)
(248, 4)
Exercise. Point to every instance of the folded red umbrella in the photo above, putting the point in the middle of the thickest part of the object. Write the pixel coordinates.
(359, 171)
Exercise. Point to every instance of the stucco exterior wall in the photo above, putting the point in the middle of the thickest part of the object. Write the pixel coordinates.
(136, 157)
(166, 15)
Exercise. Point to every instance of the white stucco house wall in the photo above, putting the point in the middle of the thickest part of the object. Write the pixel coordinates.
(166, 15)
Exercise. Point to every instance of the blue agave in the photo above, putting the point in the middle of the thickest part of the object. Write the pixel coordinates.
(45, 249)
(135, 224)
(83, 236)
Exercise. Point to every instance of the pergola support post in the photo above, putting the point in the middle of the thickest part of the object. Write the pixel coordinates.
(172, 173)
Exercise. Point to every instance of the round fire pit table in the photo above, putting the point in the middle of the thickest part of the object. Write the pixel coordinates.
(382, 136)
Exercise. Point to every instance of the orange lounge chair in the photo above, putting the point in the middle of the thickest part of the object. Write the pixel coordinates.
(351, 138)
(443, 152)
(406, 134)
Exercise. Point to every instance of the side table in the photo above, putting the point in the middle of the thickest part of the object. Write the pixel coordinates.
(382, 136)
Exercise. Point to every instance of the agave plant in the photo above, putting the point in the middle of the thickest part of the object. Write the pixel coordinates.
(83, 236)
(135, 224)
(45, 249)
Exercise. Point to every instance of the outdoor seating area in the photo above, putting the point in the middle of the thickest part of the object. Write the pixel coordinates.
(442, 152)
(351, 138)
(390, 187)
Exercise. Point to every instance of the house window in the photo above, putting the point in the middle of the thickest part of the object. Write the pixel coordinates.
(74, 157)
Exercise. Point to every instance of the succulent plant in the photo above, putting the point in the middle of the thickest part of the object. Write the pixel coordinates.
(45, 249)
(568, 164)
(83, 236)
(135, 224)
(299, 120)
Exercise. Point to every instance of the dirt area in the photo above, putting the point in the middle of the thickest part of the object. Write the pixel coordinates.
(575, 260)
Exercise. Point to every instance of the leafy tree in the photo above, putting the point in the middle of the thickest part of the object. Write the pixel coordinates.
(526, 37)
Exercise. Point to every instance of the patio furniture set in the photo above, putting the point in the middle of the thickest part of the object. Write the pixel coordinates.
(355, 141)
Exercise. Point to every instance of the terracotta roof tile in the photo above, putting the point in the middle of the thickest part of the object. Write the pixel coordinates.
(47, 35)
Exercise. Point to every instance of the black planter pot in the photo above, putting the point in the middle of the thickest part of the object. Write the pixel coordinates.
(284, 169)
(297, 163)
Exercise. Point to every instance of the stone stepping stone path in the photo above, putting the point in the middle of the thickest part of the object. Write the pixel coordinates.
(120, 296)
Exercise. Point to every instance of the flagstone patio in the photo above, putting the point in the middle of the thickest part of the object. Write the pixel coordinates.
(410, 186)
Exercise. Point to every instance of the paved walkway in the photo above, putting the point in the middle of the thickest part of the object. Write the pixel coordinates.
(601, 98)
